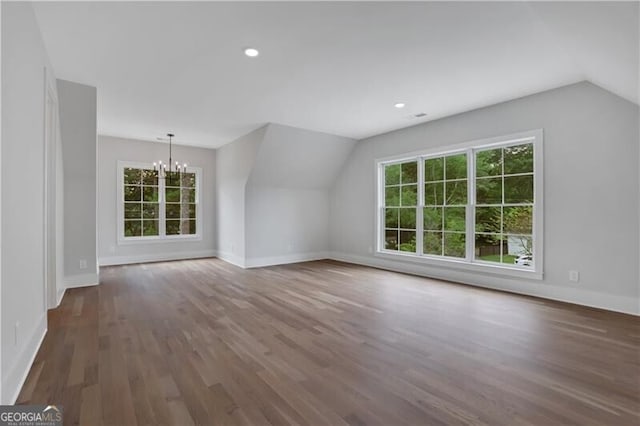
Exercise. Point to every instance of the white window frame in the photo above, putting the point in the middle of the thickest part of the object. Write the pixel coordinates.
(161, 237)
(468, 263)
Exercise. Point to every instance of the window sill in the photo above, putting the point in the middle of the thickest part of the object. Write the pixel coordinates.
(462, 265)
(154, 240)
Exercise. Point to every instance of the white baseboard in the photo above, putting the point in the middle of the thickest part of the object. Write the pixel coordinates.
(232, 259)
(60, 295)
(260, 262)
(160, 257)
(627, 305)
(13, 381)
(82, 280)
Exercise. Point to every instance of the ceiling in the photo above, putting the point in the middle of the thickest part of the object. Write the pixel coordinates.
(334, 67)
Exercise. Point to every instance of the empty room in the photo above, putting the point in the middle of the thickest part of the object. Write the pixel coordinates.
(320, 213)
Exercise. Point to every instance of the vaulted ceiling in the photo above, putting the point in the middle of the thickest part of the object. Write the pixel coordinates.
(335, 67)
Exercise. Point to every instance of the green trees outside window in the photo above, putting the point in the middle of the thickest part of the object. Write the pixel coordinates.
(504, 204)
(154, 207)
(401, 200)
(480, 198)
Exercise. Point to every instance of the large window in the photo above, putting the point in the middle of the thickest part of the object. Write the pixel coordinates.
(153, 208)
(476, 204)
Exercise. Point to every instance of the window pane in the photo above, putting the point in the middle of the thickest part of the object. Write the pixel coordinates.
(432, 218)
(172, 211)
(409, 196)
(518, 189)
(456, 166)
(433, 194)
(184, 211)
(189, 180)
(519, 246)
(391, 218)
(409, 172)
(172, 179)
(150, 227)
(488, 220)
(172, 195)
(173, 227)
(489, 163)
(408, 241)
(132, 176)
(392, 196)
(132, 228)
(518, 220)
(150, 210)
(188, 195)
(518, 159)
(456, 192)
(150, 177)
(132, 210)
(488, 247)
(432, 243)
(192, 227)
(434, 169)
(192, 211)
(408, 218)
(454, 218)
(132, 193)
(392, 174)
(391, 239)
(150, 193)
(489, 191)
(454, 244)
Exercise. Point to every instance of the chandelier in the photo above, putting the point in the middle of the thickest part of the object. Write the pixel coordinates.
(162, 168)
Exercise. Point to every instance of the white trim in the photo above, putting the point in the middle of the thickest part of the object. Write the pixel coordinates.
(50, 231)
(470, 148)
(13, 381)
(60, 296)
(1, 371)
(81, 280)
(461, 265)
(232, 259)
(561, 293)
(260, 262)
(160, 257)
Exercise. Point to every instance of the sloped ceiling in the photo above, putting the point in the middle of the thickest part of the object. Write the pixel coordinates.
(296, 158)
(334, 67)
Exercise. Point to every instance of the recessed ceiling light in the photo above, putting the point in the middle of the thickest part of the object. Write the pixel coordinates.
(251, 52)
(399, 105)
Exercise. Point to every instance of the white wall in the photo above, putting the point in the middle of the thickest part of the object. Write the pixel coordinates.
(77, 104)
(590, 193)
(234, 163)
(110, 151)
(286, 225)
(24, 60)
(287, 195)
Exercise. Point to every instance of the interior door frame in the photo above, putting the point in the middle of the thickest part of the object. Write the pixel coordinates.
(51, 141)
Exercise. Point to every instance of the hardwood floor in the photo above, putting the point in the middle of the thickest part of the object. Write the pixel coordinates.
(204, 342)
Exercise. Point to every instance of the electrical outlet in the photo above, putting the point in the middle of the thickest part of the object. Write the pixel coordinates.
(16, 333)
(83, 264)
(574, 276)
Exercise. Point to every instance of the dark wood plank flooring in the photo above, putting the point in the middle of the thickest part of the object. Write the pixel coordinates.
(327, 343)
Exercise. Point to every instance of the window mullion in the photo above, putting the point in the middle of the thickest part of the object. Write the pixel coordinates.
(471, 202)
(161, 206)
(420, 207)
